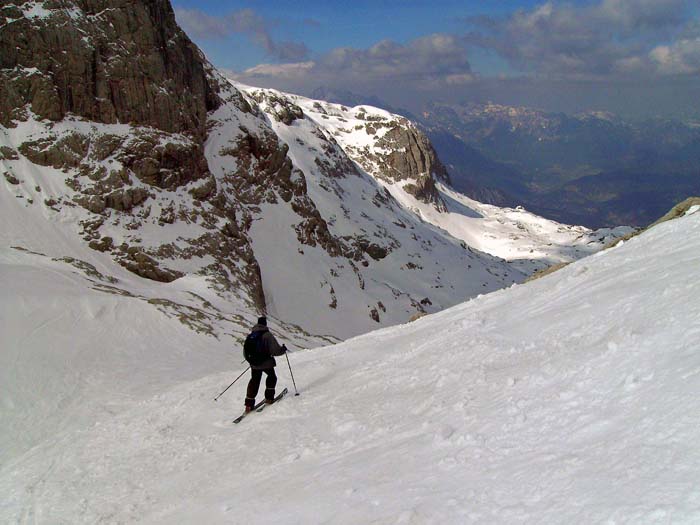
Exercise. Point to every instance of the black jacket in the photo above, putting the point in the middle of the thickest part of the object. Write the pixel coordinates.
(269, 345)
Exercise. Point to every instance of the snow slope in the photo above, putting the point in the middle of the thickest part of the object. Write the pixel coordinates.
(313, 250)
(526, 240)
(81, 335)
(529, 242)
(571, 399)
(329, 245)
(326, 290)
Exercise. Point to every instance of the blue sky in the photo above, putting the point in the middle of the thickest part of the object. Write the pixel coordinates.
(323, 26)
(625, 56)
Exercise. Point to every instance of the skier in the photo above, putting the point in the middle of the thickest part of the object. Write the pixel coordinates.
(267, 347)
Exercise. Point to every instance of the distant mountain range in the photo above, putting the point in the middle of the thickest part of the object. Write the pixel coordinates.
(591, 168)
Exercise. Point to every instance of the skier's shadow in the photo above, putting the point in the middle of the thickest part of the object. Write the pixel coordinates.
(319, 380)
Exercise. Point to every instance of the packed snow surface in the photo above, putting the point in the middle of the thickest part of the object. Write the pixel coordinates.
(571, 399)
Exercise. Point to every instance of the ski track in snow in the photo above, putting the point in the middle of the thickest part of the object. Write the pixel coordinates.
(572, 399)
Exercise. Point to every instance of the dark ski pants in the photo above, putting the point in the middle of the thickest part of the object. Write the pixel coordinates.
(254, 385)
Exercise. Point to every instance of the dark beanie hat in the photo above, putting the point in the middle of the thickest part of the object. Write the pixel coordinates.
(262, 321)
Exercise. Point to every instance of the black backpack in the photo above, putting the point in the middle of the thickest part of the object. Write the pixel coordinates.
(253, 350)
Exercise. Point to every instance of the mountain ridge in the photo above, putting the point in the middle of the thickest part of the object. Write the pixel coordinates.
(272, 199)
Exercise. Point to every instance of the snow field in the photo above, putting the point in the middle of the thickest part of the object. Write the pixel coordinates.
(569, 399)
(528, 241)
(330, 295)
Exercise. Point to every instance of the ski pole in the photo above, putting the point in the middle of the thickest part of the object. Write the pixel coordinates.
(290, 372)
(222, 393)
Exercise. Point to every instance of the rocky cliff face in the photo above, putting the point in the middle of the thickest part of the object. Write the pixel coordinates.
(412, 158)
(107, 61)
(387, 146)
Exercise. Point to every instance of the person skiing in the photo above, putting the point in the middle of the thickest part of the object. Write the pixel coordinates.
(263, 348)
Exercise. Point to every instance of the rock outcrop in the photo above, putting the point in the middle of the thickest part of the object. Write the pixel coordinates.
(107, 61)
(391, 147)
(412, 158)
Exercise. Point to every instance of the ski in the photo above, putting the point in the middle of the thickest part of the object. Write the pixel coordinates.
(277, 398)
(244, 414)
(260, 406)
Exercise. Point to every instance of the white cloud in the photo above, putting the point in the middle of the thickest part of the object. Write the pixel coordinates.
(424, 63)
(200, 25)
(612, 37)
(289, 70)
(429, 58)
(682, 57)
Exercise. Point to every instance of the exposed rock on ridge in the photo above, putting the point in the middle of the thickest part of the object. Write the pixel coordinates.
(107, 61)
(397, 152)
(413, 158)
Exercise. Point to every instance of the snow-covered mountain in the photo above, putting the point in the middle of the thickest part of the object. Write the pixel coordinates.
(392, 149)
(122, 148)
(569, 399)
(199, 185)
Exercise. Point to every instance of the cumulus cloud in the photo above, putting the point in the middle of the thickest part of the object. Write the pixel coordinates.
(612, 37)
(200, 25)
(683, 57)
(424, 63)
(432, 57)
(640, 15)
(293, 70)
(249, 22)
